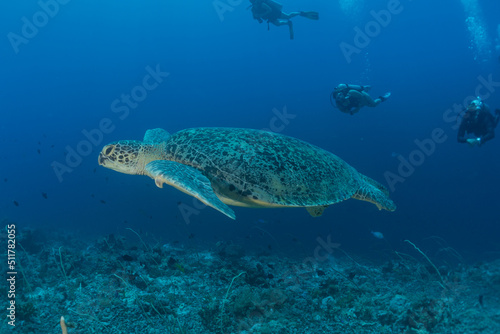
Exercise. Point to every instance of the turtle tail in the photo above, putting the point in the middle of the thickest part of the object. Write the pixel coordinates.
(374, 192)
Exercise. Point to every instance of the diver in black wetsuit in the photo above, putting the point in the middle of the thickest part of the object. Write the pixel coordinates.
(478, 121)
(351, 98)
(271, 11)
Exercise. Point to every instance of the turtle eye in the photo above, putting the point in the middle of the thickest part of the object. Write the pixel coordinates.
(108, 150)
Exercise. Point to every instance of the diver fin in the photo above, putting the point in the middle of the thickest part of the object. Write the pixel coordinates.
(316, 211)
(310, 15)
(385, 96)
(189, 180)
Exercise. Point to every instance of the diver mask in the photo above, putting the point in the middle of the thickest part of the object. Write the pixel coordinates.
(476, 104)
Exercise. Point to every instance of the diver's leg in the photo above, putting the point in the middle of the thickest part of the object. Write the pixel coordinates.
(290, 28)
(280, 22)
(364, 98)
(288, 16)
(370, 102)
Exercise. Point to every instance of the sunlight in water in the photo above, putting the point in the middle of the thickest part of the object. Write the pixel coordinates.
(351, 8)
(479, 41)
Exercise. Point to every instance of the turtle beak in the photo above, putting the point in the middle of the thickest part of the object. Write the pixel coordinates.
(102, 159)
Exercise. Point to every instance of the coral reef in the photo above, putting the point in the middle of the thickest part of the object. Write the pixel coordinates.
(118, 284)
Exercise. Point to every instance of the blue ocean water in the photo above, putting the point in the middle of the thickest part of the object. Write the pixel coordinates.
(112, 71)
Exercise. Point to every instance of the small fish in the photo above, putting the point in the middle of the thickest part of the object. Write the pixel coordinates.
(378, 235)
(92, 195)
(191, 236)
(44, 195)
(102, 201)
(16, 203)
(5, 180)
(95, 169)
(38, 150)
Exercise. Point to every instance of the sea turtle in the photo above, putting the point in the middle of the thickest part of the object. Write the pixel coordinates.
(244, 167)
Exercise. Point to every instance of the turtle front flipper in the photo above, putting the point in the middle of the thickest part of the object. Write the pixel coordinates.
(374, 192)
(189, 180)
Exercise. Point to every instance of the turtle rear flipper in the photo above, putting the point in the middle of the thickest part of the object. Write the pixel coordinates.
(187, 179)
(316, 211)
(374, 192)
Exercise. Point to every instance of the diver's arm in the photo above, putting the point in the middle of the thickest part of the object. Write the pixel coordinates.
(490, 129)
(461, 133)
(256, 15)
(354, 110)
(343, 108)
(265, 10)
(261, 11)
(486, 108)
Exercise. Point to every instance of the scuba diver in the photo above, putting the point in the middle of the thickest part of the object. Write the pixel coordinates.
(478, 121)
(271, 11)
(351, 98)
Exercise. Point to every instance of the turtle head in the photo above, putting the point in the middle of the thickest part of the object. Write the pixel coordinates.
(123, 156)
